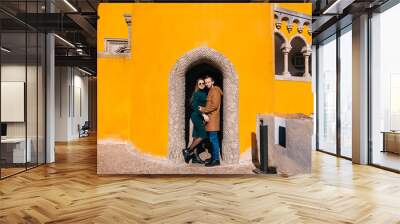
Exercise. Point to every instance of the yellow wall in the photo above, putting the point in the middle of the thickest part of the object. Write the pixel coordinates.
(305, 8)
(293, 97)
(133, 93)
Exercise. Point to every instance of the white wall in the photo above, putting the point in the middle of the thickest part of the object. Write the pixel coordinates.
(71, 102)
(13, 73)
(80, 110)
(33, 126)
(13, 101)
(62, 82)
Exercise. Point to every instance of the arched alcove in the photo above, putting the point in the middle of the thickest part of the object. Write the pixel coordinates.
(279, 58)
(296, 58)
(196, 71)
(176, 103)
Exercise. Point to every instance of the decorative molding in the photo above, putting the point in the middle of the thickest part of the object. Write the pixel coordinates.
(115, 47)
(176, 104)
(118, 47)
(282, 35)
(292, 17)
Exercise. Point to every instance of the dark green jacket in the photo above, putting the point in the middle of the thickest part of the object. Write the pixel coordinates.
(199, 99)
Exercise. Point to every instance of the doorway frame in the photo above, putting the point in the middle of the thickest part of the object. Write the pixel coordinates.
(176, 103)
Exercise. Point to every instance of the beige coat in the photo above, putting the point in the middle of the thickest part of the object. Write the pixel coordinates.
(212, 108)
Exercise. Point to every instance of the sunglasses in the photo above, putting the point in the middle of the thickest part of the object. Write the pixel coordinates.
(201, 83)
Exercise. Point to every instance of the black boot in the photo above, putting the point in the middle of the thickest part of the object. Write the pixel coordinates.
(213, 163)
(195, 157)
(186, 155)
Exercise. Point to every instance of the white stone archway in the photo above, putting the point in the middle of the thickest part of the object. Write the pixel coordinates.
(302, 47)
(176, 103)
(301, 37)
(285, 49)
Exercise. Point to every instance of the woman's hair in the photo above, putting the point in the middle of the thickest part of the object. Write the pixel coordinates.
(196, 88)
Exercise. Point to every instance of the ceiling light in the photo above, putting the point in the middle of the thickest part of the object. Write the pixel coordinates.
(84, 71)
(337, 7)
(5, 50)
(326, 11)
(70, 5)
(64, 40)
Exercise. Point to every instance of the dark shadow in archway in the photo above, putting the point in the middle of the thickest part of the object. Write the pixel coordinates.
(296, 58)
(279, 41)
(200, 70)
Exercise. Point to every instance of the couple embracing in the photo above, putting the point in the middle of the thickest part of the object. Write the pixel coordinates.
(206, 121)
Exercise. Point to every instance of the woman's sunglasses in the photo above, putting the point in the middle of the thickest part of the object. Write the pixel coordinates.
(201, 83)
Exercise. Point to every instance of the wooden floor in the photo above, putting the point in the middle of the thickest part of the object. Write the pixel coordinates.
(5, 172)
(69, 191)
(386, 159)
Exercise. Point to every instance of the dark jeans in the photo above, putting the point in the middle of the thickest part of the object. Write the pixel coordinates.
(215, 144)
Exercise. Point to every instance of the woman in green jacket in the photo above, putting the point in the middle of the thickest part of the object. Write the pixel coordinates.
(199, 98)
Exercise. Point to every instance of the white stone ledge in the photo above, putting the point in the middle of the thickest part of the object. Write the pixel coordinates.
(293, 78)
(110, 55)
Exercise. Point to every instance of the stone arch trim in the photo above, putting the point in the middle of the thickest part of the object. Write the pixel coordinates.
(284, 47)
(176, 103)
(278, 32)
(301, 37)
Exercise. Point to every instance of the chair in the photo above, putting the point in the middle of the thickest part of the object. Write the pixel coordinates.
(84, 130)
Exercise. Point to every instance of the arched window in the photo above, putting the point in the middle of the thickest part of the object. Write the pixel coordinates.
(296, 58)
(279, 60)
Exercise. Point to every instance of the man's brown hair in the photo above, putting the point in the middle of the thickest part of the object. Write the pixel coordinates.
(209, 77)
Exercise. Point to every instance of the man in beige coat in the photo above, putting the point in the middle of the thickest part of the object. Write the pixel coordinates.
(212, 109)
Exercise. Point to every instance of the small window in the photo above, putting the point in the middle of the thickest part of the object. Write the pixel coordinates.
(282, 136)
(280, 131)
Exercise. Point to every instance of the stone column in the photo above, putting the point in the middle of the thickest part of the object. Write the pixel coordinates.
(285, 50)
(128, 20)
(306, 53)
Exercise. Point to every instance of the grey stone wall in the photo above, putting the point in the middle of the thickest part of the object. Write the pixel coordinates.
(295, 158)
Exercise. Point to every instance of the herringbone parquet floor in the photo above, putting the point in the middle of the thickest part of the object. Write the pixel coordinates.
(69, 191)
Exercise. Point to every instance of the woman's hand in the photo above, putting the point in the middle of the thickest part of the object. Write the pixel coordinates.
(205, 117)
